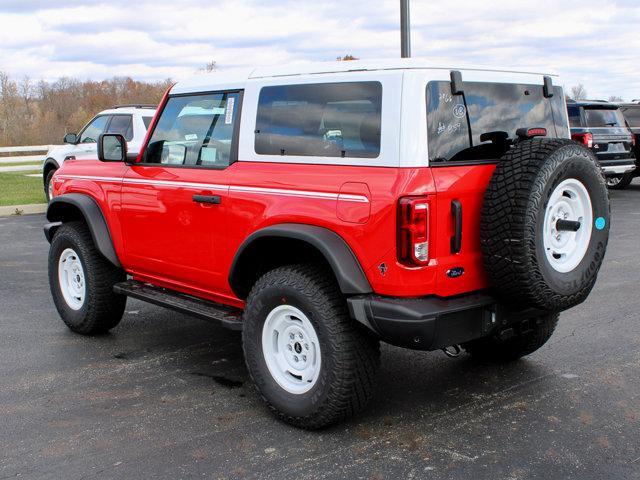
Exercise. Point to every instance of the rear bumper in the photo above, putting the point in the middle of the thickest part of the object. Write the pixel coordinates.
(617, 166)
(426, 323)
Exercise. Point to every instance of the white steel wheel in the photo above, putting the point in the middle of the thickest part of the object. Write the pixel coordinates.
(71, 279)
(291, 349)
(565, 247)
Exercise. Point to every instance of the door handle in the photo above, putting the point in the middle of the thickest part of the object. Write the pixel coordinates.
(456, 239)
(213, 199)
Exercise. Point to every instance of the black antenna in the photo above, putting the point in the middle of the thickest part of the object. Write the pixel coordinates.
(405, 30)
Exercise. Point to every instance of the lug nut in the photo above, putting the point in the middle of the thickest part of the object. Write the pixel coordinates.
(290, 347)
(304, 358)
(295, 358)
(300, 335)
(292, 336)
(306, 346)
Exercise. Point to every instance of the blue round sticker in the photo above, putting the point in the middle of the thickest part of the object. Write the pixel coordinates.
(600, 223)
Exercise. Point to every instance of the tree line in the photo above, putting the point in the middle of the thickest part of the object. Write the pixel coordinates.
(41, 113)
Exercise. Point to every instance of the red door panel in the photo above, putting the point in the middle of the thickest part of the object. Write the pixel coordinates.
(169, 236)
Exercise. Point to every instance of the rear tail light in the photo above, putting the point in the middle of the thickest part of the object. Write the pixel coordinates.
(413, 231)
(585, 139)
(633, 139)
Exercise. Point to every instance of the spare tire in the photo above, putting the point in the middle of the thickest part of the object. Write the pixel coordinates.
(545, 224)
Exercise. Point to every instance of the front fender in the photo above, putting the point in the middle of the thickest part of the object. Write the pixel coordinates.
(76, 206)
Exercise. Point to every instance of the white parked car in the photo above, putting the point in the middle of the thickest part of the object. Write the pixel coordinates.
(131, 121)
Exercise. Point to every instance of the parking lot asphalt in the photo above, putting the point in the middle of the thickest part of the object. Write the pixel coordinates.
(166, 396)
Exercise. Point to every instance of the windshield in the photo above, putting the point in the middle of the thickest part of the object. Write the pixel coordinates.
(604, 117)
(493, 111)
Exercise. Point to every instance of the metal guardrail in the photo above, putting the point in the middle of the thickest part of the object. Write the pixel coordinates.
(23, 158)
(32, 148)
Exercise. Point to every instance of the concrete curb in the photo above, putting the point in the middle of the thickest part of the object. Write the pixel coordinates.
(12, 210)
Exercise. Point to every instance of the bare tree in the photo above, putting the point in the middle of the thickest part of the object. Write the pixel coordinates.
(346, 58)
(578, 92)
(615, 99)
(209, 67)
(42, 112)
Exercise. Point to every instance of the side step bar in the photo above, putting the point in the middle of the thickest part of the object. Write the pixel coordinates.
(228, 317)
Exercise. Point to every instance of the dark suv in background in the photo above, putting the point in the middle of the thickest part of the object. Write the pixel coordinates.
(600, 126)
(631, 112)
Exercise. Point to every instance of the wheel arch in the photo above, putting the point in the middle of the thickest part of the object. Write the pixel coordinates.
(290, 243)
(49, 164)
(76, 206)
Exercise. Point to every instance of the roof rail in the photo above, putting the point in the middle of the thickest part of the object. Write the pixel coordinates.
(136, 105)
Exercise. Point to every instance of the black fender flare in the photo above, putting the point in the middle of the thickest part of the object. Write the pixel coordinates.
(66, 207)
(49, 162)
(346, 268)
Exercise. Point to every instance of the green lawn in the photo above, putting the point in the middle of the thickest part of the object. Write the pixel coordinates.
(17, 189)
(35, 165)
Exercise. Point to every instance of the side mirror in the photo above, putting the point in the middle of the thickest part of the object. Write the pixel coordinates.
(112, 147)
(70, 138)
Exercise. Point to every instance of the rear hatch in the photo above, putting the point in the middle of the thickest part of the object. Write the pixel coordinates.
(612, 140)
(467, 133)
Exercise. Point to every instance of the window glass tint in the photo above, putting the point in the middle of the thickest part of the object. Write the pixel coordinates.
(632, 114)
(603, 117)
(495, 111)
(195, 130)
(123, 125)
(94, 129)
(574, 116)
(147, 122)
(324, 120)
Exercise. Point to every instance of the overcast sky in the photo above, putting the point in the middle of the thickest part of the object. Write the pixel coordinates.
(593, 42)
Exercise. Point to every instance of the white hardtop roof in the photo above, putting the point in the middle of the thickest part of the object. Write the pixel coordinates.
(236, 78)
(128, 111)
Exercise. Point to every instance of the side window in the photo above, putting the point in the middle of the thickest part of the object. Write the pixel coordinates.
(323, 119)
(196, 130)
(94, 129)
(574, 116)
(147, 122)
(123, 125)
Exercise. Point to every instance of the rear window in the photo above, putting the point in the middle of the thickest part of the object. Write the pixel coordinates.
(632, 114)
(323, 120)
(493, 113)
(603, 117)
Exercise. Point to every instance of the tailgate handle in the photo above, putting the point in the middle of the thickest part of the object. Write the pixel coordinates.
(456, 213)
(215, 199)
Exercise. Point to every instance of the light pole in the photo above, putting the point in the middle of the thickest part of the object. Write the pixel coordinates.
(405, 30)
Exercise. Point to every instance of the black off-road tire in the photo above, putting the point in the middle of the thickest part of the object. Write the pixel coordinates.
(350, 357)
(524, 338)
(47, 183)
(624, 182)
(511, 229)
(102, 309)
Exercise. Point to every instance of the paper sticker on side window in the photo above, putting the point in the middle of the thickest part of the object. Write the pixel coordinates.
(228, 116)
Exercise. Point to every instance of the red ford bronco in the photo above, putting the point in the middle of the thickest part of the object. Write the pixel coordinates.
(325, 209)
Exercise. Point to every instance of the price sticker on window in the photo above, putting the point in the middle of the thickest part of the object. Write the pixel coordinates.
(228, 116)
